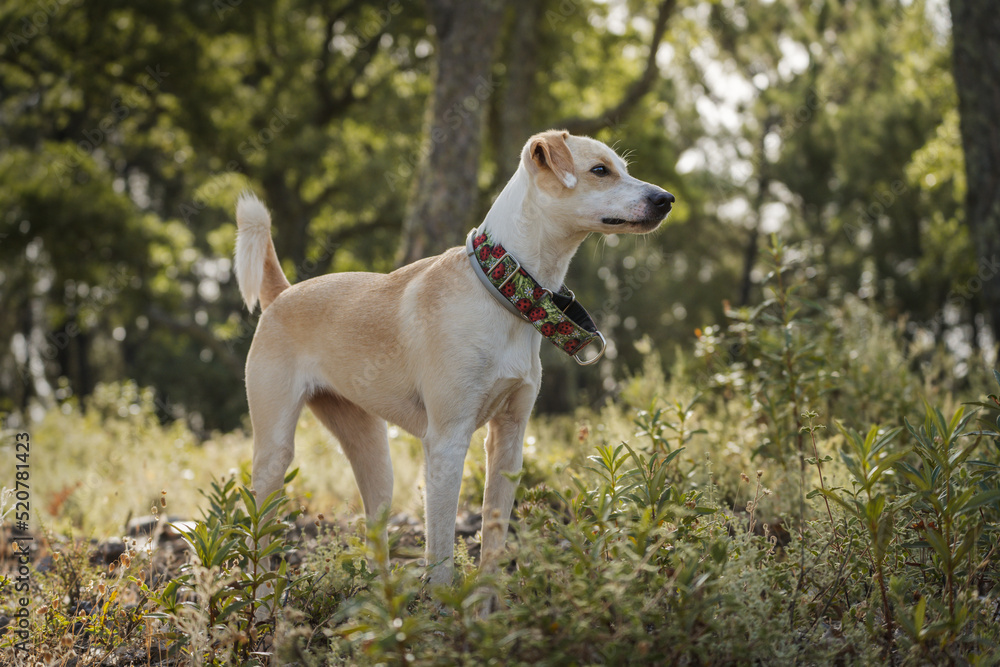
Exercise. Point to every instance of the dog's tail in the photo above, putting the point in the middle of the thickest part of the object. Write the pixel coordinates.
(258, 271)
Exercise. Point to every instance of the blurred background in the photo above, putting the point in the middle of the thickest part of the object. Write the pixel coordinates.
(379, 132)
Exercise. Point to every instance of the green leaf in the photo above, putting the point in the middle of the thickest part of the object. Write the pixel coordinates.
(918, 615)
(936, 540)
(884, 439)
(886, 462)
(249, 501)
(272, 548)
(979, 500)
(837, 499)
(874, 508)
(956, 421)
(966, 544)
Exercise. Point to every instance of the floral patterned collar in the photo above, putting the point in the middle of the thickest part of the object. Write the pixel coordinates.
(558, 316)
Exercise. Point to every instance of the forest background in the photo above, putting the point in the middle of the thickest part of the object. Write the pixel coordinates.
(380, 132)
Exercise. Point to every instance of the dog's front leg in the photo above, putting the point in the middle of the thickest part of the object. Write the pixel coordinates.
(445, 456)
(504, 449)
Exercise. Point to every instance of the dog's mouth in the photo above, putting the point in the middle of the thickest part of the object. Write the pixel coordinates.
(643, 223)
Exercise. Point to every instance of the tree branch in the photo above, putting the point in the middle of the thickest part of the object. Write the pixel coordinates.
(332, 105)
(636, 91)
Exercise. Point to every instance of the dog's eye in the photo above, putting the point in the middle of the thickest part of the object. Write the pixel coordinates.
(600, 170)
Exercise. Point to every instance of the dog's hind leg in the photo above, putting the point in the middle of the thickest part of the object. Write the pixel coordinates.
(364, 439)
(273, 415)
(275, 402)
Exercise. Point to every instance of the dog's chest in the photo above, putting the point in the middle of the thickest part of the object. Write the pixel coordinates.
(497, 397)
(515, 366)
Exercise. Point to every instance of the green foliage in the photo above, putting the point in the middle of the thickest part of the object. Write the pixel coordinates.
(652, 425)
(770, 352)
(638, 535)
(632, 555)
(79, 606)
(866, 463)
(954, 508)
(218, 609)
(120, 457)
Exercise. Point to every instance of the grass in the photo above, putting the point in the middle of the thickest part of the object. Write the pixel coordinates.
(808, 487)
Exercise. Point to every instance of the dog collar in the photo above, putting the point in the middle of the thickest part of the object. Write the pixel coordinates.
(558, 316)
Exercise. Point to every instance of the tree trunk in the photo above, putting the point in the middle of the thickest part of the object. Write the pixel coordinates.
(976, 39)
(442, 205)
(513, 126)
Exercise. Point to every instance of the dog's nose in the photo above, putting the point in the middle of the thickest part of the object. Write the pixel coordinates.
(661, 199)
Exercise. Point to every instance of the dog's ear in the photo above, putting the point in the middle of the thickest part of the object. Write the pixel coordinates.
(548, 150)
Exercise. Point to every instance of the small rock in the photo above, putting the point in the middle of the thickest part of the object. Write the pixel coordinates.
(142, 525)
(146, 526)
(469, 525)
(108, 551)
(172, 531)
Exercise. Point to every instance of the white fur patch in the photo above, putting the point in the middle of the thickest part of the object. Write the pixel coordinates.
(569, 180)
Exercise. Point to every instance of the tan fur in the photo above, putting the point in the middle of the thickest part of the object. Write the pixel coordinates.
(428, 347)
(274, 282)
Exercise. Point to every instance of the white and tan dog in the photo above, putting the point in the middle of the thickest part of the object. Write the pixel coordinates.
(428, 347)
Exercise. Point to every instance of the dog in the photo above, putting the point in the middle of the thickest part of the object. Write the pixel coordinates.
(436, 347)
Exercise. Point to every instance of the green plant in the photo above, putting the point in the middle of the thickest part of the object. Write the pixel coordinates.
(82, 608)
(815, 460)
(378, 620)
(774, 346)
(653, 425)
(636, 487)
(221, 606)
(950, 505)
(868, 506)
(624, 557)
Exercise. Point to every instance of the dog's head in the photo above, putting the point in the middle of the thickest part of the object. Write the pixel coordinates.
(587, 187)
